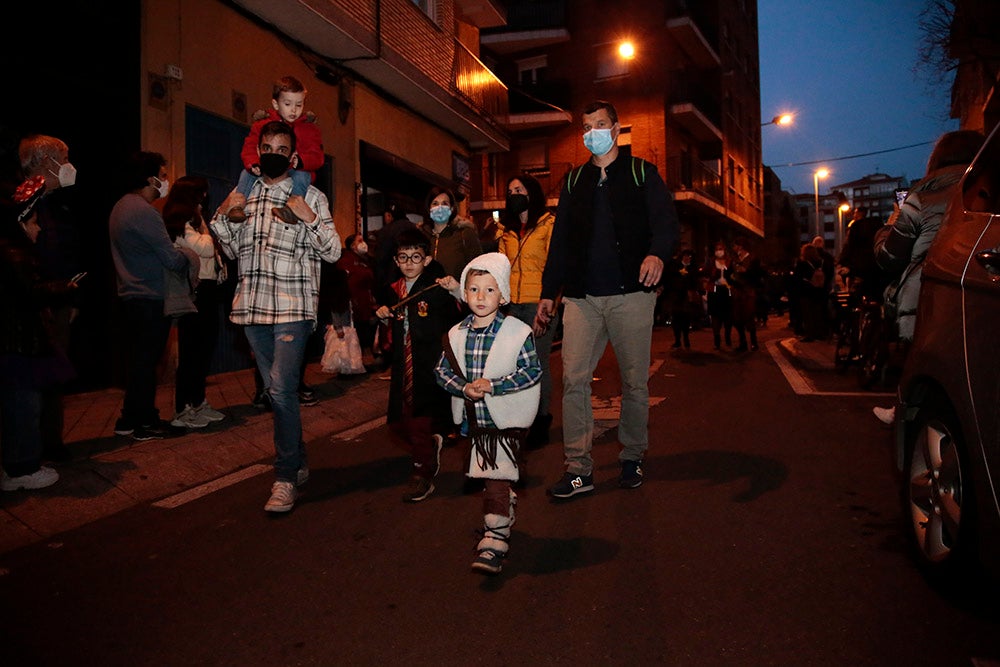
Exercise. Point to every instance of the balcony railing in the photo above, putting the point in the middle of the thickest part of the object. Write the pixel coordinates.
(685, 91)
(686, 174)
(701, 14)
(478, 86)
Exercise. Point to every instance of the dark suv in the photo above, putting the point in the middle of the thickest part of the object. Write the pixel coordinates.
(948, 425)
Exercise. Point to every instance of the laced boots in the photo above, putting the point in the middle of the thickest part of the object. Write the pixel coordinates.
(492, 549)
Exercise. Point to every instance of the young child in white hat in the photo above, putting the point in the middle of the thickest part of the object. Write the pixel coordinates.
(491, 369)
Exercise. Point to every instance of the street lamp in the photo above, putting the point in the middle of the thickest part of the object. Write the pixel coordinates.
(841, 209)
(780, 119)
(626, 50)
(818, 174)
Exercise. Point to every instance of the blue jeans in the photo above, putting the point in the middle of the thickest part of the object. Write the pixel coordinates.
(301, 180)
(280, 351)
(626, 321)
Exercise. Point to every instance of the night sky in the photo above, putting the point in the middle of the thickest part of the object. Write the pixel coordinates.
(848, 70)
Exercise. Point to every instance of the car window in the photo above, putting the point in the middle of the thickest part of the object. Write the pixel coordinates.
(981, 188)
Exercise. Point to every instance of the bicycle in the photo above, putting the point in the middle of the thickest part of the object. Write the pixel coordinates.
(874, 337)
(846, 319)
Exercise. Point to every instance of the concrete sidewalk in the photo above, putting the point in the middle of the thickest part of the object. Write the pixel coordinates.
(110, 473)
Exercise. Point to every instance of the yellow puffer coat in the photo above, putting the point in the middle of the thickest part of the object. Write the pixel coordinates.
(527, 256)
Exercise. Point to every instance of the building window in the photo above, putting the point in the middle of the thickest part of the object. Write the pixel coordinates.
(531, 71)
(533, 158)
(428, 7)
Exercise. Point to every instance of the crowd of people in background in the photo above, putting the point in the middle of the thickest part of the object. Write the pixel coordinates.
(462, 318)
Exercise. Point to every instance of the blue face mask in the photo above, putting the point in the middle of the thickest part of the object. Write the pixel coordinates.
(598, 141)
(441, 214)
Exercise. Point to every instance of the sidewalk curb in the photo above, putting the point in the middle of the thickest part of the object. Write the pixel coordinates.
(112, 473)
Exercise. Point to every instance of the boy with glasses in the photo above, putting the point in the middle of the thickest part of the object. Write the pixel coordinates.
(421, 310)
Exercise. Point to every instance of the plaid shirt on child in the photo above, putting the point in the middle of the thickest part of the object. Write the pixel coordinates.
(477, 348)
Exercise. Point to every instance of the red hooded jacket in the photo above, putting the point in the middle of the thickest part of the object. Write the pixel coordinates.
(308, 143)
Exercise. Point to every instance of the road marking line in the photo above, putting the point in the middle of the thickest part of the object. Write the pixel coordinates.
(801, 385)
(183, 497)
(352, 433)
(197, 492)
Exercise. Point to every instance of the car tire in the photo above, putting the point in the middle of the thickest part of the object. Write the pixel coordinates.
(938, 506)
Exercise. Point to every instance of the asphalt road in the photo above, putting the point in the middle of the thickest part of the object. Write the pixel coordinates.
(766, 533)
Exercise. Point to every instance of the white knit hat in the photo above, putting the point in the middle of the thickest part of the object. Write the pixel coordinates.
(498, 266)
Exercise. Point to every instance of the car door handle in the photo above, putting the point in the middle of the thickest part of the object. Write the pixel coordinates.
(990, 260)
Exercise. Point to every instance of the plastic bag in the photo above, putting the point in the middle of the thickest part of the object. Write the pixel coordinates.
(342, 351)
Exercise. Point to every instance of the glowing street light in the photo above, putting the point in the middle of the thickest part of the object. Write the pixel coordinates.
(843, 208)
(626, 50)
(818, 174)
(781, 119)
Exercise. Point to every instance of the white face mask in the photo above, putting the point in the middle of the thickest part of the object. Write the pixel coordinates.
(66, 174)
(163, 188)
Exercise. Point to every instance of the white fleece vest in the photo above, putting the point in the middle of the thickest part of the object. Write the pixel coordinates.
(514, 410)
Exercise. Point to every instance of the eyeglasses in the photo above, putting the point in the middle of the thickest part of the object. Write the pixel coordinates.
(415, 258)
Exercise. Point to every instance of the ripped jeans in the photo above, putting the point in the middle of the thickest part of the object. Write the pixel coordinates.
(280, 350)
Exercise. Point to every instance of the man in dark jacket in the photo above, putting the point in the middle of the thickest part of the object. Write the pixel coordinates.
(615, 228)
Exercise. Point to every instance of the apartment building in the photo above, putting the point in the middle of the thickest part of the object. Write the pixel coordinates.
(688, 99)
(875, 192)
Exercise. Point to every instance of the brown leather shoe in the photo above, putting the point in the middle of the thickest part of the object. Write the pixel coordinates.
(237, 214)
(285, 214)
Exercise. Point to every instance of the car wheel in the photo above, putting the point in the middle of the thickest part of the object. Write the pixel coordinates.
(937, 495)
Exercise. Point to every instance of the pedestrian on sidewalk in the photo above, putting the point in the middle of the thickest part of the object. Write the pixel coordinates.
(490, 367)
(197, 332)
(30, 362)
(277, 295)
(143, 253)
(57, 215)
(747, 279)
(900, 248)
(720, 295)
(616, 226)
(418, 407)
(683, 296)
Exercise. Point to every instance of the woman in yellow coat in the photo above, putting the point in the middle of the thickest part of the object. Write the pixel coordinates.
(523, 235)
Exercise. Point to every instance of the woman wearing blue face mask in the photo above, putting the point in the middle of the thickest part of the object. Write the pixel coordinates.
(453, 241)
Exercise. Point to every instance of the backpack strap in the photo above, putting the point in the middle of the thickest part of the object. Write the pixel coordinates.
(639, 176)
(571, 180)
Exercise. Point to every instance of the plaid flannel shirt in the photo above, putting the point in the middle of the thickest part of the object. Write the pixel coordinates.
(279, 264)
(477, 348)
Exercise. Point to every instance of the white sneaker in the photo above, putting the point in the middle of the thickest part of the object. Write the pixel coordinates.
(283, 495)
(39, 479)
(188, 418)
(885, 415)
(208, 412)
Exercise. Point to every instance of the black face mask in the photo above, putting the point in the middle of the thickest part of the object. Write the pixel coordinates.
(273, 165)
(517, 204)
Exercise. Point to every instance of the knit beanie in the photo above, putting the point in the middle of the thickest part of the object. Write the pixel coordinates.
(498, 266)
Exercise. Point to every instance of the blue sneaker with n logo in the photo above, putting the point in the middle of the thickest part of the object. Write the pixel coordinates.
(572, 485)
(631, 477)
